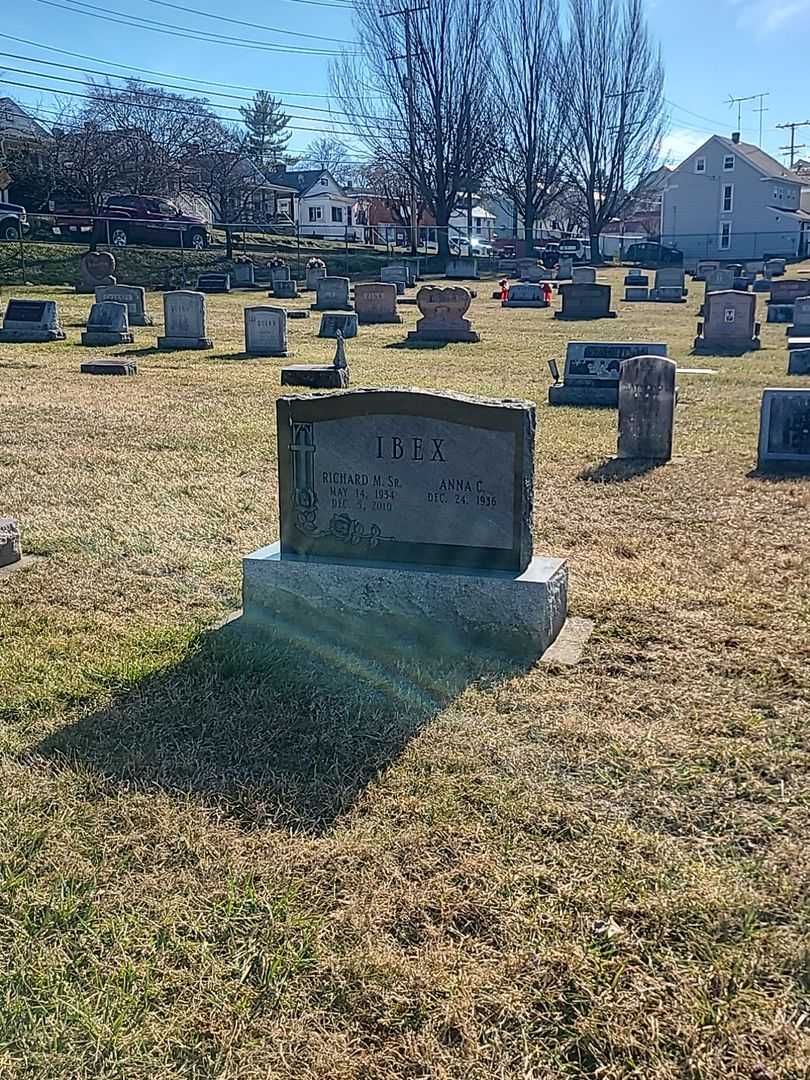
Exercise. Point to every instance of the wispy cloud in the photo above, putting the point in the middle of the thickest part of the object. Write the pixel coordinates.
(679, 143)
(752, 18)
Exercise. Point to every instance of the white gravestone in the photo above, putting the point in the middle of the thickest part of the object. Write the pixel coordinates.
(265, 331)
(134, 296)
(462, 268)
(184, 321)
(332, 294)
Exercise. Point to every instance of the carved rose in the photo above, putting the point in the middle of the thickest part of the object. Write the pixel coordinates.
(443, 303)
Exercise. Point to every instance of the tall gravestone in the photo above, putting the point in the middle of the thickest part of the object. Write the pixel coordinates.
(646, 408)
(376, 303)
(134, 296)
(565, 268)
(408, 512)
(729, 327)
(443, 311)
(585, 302)
(313, 276)
(592, 370)
(332, 294)
(31, 320)
(266, 331)
(784, 431)
(184, 321)
(107, 324)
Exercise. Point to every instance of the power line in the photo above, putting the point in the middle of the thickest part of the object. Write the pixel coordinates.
(793, 147)
(251, 25)
(176, 31)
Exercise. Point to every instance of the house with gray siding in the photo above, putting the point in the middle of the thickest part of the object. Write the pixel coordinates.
(731, 201)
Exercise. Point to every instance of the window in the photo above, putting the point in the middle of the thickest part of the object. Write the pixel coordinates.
(315, 213)
(700, 165)
(725, 236)
(728, 198)
(728, 163)
(337, 214)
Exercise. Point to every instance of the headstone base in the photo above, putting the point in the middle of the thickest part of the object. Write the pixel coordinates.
(371, 320)
(141, 320)
(584, 318)
(661, 297)
(32, 335)
(185, 343)
(525, 303)
(702, 349)
(98, 337)
(598, 396)
(636, 294)
(331, 307)
(447, 334)
(277, 353)
(508, 612)
(317, 376)
(109, 367)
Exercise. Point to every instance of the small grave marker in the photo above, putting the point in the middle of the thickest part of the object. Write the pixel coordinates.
(109, 367)
(592, 370)
(462, 268)
(214, 283)
(585, 302)
(333, 323)
(334, 376)
(134, 296)
(525, 296)
(10, 542)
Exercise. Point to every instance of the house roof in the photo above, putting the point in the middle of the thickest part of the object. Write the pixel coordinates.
(300, 180)
(14, 120)
(766, 164)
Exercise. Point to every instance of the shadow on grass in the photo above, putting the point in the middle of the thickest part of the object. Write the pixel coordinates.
(285, 732)
(145, 350)
(406, 344)
(618, 470)
(784, 473)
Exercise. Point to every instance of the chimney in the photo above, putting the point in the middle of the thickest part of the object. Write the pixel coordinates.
(735, 137)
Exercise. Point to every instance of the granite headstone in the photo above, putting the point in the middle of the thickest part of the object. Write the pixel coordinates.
(266, 331)
(184, 321)
(31, 320)
(784, 431)
(646, 408)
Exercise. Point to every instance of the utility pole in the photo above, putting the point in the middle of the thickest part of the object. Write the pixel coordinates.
(793, 147)
(407, 13)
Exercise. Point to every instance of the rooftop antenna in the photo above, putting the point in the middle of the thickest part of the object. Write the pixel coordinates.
(738, 101)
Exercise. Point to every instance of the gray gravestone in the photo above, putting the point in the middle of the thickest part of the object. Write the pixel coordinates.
(31, 320)
(214, 283)
(799, 361)
(784, 431)
(184, 321)
(332, 294)
(704, 267)
(718, 281)
(96, 268)
(376, 303)
(265, 331)
(408, 512)
(774, 267)
(334, 376)
(646, 408)
(584, 275)
(789, 290)
(585, 302)
(10, 542)
(443, 311)
(243, 275)
(107, 324)
(779, 313)
(285, 290)
(525, 296)
(801, 319)
(636, 293)
(669, 285)
(279, 273)
(313, 276)
(462, 268)
(636, 279)
(134, 296)
(592, 369)
(332, 322)
(728, 327)
(109, 367)
(396, 276)
(565, 268)
(531, 271)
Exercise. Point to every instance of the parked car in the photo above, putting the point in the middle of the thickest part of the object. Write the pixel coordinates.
(136, 219)
(651, 254)
(578, 250)
(13, 221)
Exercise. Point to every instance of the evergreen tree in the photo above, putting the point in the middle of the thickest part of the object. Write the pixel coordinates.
(265, 123)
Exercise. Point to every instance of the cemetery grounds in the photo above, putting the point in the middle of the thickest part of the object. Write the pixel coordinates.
(222, 862)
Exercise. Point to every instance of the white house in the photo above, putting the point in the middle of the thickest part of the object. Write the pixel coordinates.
(317, 203)
(730, 200)
(483, 224)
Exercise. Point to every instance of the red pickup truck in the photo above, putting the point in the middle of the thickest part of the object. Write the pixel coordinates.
(133, 219)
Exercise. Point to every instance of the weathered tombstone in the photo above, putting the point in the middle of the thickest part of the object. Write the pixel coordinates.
(410, 509)
(636, 293)
(333, 323)
(779, 313)
(729, 327)
(704, 267)
(10, 542)
(774, 267)
(214, 283)
(334, 376)
(525, 296)
(636, 279)
(313, 276)
(565, 269)
(646, 408)
(279, 273)
(107, 324)
(31, 320)
(134, 296)
(718, 280)
(592, 369)
(95, 268)
(376, 303)
(585, 302)
(462, 268)
(584, 275)
(184, 321)
(265, 331)
(799, 361)
(243, 274)
(531, 271)
(332, 294)
(669, 285)
(784, 431)
(109, 367)
(285, 290)
(395, 275)
(443, 311)
(789, 290)
(801, 320)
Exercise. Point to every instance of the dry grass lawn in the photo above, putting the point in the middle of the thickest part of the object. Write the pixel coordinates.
(219, 863)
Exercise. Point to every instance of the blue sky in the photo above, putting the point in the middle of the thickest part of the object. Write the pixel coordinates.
(711, 50)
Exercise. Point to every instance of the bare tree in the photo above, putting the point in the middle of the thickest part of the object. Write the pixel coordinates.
(529, 104)
(615, 105)
(332, 155)
(420, 106)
